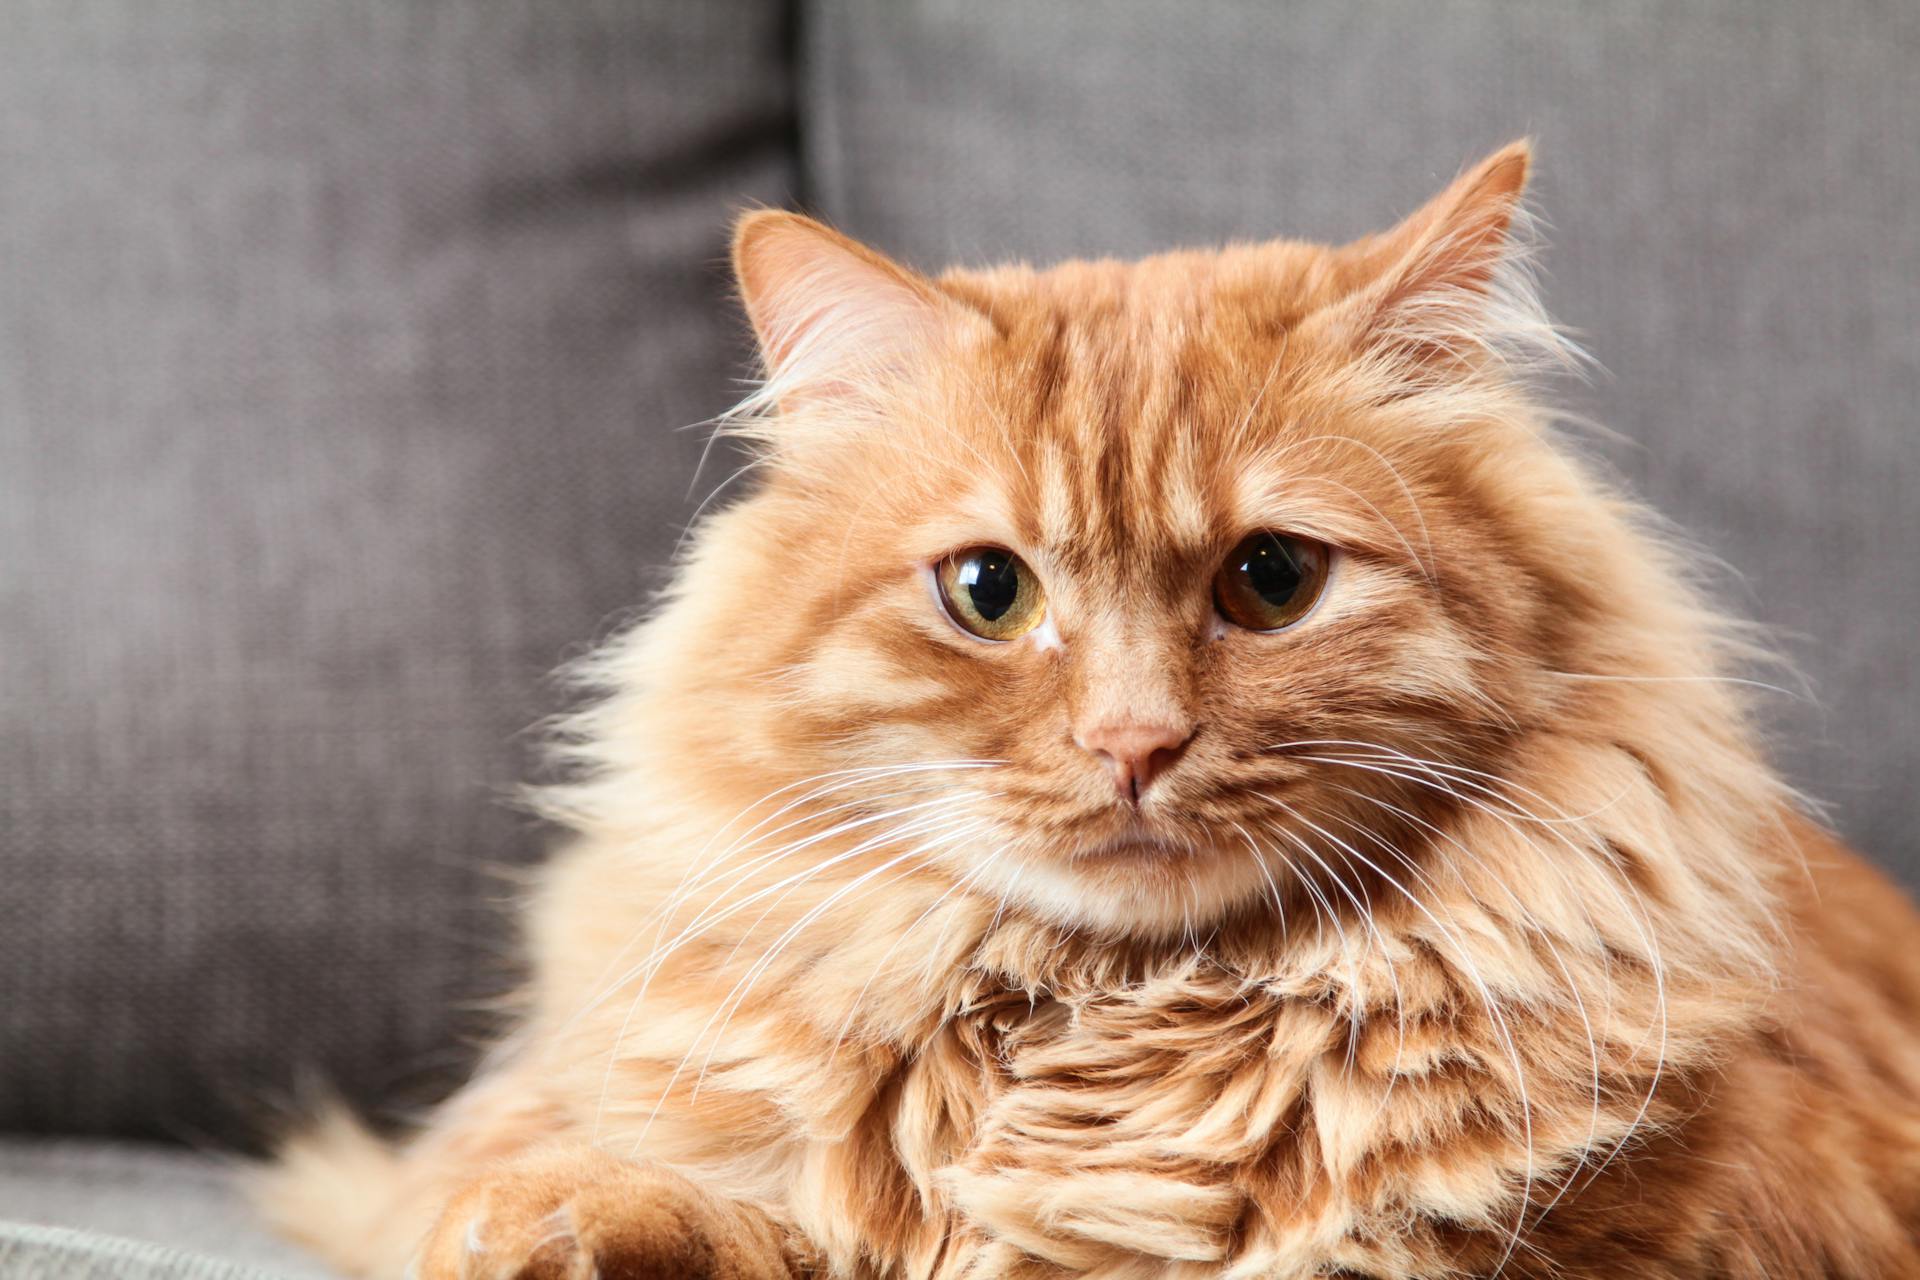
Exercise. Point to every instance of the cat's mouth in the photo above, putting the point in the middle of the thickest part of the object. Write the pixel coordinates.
(1138, 845)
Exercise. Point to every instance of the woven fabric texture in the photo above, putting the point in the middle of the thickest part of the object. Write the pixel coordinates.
(344, 354)
(54, 1253)
(108, 1208)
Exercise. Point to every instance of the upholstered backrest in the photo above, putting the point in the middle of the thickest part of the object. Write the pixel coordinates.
(344, 351)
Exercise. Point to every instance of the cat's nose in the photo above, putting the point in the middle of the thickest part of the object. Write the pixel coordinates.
(1135, 753)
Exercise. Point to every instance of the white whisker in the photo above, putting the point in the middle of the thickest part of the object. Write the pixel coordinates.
(1486, 996)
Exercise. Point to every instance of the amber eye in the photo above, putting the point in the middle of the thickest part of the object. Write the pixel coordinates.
(990, 592)
(1270, 581)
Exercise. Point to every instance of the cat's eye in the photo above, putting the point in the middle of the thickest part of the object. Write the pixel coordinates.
(990, 592)
(1270, 581)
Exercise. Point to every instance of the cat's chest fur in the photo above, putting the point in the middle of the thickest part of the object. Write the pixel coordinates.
(1153, 1120)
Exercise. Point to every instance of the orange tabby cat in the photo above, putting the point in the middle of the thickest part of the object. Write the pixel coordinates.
(1174, 772)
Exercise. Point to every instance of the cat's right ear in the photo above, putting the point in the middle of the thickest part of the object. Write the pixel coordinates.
(1447, 291)
(835, 319)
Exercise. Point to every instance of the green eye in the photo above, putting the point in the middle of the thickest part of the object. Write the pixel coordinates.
(990, 592)
(1270, 581)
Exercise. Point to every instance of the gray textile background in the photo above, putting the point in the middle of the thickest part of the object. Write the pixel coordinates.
(342, 352)
(116, 1192)
(1733, 189)
(55, 1253)
(342, 346)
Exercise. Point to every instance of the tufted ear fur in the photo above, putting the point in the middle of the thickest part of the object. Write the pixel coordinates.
(1448, 290)
(832, 316)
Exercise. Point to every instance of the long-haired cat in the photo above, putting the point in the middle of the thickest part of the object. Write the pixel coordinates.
(1174, 771)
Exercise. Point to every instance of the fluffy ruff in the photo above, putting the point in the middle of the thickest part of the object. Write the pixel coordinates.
(1470, 936)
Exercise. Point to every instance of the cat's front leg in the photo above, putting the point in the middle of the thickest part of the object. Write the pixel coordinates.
(571, 1212)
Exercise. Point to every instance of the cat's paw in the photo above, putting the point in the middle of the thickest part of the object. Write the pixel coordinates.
(580, 1214)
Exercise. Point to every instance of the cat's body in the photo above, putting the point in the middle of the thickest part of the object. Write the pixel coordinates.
(1450, 926)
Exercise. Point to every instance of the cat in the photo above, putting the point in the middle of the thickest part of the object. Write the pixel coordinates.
(1175, 770)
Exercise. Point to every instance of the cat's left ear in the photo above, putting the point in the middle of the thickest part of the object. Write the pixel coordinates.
(835, 319)
(1444, 289)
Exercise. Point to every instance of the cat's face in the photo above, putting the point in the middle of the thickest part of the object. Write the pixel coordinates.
(1166, 559)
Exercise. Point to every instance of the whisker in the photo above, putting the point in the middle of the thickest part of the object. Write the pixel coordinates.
(1346, 949)
(1640, 919)
(1486, 996)
(1798, 695)
(652, 964)
(744, 987)
(859, 998)
(1279, 907)
(1573, 987)
(701, 921)
(724, 1012)
(1446, 767)
(695, 875)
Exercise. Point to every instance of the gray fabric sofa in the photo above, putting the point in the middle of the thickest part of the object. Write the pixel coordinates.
(345, 356)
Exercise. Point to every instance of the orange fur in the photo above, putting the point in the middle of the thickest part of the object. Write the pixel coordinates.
(1468, 934)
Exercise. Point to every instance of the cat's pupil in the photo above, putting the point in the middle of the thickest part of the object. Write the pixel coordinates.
(1272, 570)
(993, 584)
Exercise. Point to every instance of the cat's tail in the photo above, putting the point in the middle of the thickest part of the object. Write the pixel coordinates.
(363, 1203)
(342, 1191)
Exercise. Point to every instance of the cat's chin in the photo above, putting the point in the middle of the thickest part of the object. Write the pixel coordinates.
(1136, 848)
(1136, 884)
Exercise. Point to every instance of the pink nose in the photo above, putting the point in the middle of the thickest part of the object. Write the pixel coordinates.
(1135, 754)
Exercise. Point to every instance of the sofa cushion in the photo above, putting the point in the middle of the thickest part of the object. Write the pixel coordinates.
(51, 1253)
(114, 1209)
(344, 354)
(1731, 184)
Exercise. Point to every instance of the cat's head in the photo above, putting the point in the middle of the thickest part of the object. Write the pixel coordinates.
(1131, 591)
